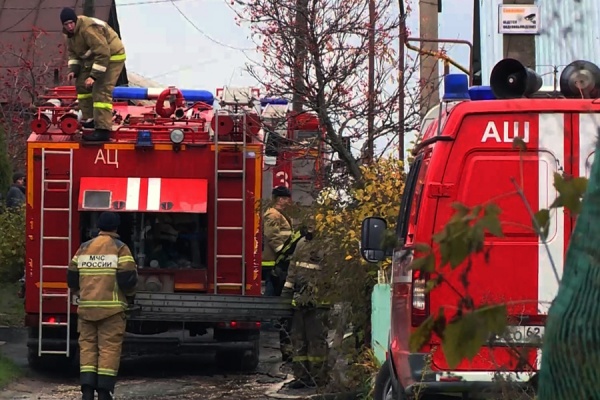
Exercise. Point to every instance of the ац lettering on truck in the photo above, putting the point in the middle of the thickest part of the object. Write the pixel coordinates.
(467, 155)
(186, 180)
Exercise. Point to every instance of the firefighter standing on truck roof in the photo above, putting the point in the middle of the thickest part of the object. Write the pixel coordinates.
(304, 285)
(96, 59)
(104, 273)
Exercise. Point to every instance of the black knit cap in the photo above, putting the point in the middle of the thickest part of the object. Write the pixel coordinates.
(281, 191)
(108, 221)
(68, 14)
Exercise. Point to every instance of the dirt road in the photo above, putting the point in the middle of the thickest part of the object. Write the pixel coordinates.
(162, 378)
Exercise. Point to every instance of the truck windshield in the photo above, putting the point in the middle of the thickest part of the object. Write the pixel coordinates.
(407, 198)
(160, 240)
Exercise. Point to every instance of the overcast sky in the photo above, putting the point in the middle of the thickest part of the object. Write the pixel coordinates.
(162, 45)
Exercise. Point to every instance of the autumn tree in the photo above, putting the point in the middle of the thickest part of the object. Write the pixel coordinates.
(28, 67)
(316, 52)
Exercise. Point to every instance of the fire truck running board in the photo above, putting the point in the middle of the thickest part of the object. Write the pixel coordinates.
(210, 308)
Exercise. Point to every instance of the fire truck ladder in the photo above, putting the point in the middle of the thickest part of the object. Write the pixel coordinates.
(239, 200)
(43, 267)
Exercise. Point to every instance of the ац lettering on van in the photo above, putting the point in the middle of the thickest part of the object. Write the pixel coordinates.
(468, 155)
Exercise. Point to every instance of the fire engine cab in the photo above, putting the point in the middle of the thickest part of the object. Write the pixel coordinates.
(467, 155)
(186, 179)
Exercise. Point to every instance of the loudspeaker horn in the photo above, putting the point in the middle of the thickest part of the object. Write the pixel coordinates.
(510, 79)
(580, 79)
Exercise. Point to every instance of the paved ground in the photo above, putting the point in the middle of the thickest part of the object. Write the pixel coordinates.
(163, 378)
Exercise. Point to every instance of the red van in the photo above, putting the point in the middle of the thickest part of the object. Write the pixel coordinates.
(467, 155)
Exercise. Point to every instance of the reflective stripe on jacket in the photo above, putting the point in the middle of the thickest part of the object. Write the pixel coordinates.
(96, 42)
(277, 228)
(305, 282)
(104, 272)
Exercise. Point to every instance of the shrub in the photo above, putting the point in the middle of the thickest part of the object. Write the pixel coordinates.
(12, 245)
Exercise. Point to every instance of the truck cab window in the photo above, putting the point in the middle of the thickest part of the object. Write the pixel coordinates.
(407, 198)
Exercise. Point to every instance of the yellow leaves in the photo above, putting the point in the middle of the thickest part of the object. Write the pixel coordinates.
(339, 215)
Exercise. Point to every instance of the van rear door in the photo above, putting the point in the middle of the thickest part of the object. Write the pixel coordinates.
(484, 167)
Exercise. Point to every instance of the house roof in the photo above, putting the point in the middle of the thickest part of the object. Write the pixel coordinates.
(31, 37)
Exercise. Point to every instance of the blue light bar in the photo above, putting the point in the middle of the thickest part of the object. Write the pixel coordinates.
(481, 93)
(134, 93)
(273, 100)
(144, 139)
(456, 87)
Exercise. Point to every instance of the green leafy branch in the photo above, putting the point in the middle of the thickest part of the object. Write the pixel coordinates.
(469, 328)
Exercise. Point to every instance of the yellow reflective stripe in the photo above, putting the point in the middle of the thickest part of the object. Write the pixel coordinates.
(268, 263)
(107, 371)
(115, 293)
(126, 259)
(101, 303)
(88, 368)
(294, 303)
(118, 57)
(316, 358)
(97, 271)
(106, 106)
(288, 285)
(84, 96)
(74, 62)
(299, 358)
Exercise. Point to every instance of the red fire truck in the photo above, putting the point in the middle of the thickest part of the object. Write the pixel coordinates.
(467, 155)
(295, 154)
(186, 179)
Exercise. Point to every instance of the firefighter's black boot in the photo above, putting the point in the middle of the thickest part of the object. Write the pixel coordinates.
(99, 135)
(104, 394)
(88, 124)
(87, 392)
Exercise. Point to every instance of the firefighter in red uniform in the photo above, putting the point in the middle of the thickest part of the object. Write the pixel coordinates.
(104, 273)
(96, 59)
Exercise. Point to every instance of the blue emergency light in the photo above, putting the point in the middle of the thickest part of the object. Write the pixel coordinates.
(134, 93)
(481, 93)
(273, 101)
(456, 87)
(144, 139)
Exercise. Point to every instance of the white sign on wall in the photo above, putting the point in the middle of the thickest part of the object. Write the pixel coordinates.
(518, 19)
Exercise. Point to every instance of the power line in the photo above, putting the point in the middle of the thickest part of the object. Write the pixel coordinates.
(204, 33)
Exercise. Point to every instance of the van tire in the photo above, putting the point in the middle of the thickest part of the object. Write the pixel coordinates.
(383, 384)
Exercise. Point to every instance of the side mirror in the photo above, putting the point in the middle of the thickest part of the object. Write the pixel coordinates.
(371, 239)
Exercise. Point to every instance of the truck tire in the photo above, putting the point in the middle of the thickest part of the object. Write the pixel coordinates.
(38, 363)
(239, 360)
(383, 384)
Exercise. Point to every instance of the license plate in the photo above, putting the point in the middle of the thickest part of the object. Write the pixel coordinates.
(75, 299)
(530, 335)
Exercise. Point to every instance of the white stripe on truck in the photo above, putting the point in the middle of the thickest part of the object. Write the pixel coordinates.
(132, 201)
(153, 203)
(588, 132)
(551, 142)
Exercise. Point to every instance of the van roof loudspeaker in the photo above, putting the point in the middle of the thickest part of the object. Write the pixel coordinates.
(510, 79)
(580, 79)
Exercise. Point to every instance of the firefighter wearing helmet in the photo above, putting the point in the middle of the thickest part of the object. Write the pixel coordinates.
(96, 59)
(104, 273)
(305, 286)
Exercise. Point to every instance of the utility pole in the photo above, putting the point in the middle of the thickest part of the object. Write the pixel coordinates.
(428, 69)
(401, 68)
(300, 50)
(520, 47)
(89, 8)
(371, 84)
